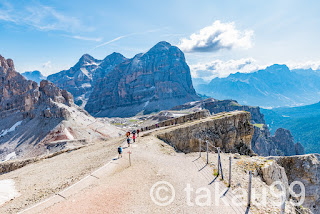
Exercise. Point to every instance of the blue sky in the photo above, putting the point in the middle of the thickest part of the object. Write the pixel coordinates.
(228, 36)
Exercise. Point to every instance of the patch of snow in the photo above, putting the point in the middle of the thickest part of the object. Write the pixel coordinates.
(85, 72)
(85, 85)
(147, 103)
(68, 134)
(6, 131)
(92, 63)
(7, 191)
(10, 156)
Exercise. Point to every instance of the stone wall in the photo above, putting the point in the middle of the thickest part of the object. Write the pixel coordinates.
(232, 132)
(180, 120)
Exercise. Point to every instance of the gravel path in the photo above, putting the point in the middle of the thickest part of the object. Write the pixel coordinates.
(125, 189)
(38, 181)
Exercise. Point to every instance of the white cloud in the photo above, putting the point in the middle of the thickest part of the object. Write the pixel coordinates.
(218, 68)
(40, 17)
(47, 65)
(314, 65)
(217, 36)
(95, 39)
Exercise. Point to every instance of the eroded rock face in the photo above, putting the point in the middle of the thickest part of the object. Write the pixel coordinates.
(232, 132)
(217, 106)
(272, 172)
(156, 80)
(262, 141)
(80, 79)
(306, 169)
(19, 94)
(284, 141)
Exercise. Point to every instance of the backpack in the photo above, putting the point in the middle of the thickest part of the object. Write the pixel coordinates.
(119, 149)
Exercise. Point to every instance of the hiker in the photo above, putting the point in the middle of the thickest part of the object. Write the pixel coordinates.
(128, 141)
(128, 134)
(120, 152)
(134, 138)
(138, 131)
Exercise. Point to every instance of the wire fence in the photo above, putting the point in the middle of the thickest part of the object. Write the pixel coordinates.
(218, 171)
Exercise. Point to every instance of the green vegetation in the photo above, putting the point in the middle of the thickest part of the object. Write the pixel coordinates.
(133, 120)
(259, 125)
(303, 122)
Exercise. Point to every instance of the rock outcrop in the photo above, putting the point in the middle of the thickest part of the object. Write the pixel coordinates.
(262, 141)
(306, 169)
(232, 132)
(32, 116)
(34, 76)
(216, 106)
(156, 80)
(80, 79)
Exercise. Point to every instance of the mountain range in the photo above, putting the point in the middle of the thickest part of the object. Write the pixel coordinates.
(120, 87)
(275, 86)
(34, 76)
(303, 122)
(39, 119)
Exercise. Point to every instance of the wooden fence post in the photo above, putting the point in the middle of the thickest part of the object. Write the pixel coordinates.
(129, 157)
(218, 161)
(230, 171)
(249, 190)
(199, 147)
(207, 153)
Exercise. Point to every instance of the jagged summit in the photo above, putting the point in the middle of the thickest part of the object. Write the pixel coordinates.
(156, 80)
(33, 116)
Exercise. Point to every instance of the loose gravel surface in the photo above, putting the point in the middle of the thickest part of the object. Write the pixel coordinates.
(128, 189)
(43, 179)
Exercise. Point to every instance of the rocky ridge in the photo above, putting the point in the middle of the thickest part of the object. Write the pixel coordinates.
(80, 79)
(282, 143)
(156, 80)
(32, 116)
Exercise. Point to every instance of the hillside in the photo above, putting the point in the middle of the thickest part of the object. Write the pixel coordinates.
(303, 122)
(275, 86)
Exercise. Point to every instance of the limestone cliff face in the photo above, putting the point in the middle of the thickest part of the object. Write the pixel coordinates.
(232, 132)
(156, 80)
(262, 142)
(304, 168)
(80, 79)
(32, 116)
(217, 106)
(19, 94)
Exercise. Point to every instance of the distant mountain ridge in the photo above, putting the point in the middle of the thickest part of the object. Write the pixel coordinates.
(274, 86)
(303, 122)
(34, 76)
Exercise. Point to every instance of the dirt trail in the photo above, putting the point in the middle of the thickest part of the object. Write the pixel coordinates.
(119, 188)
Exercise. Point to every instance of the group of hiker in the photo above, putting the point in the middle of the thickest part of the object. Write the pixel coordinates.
(128, 134)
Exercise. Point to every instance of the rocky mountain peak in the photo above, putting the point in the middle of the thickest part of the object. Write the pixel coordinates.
(156, 80)
(277, 68)
(6, 63)
(86, 59)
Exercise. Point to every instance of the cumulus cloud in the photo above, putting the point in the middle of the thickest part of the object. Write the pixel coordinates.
(314, 65)
(218, 68)
(217, 36)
